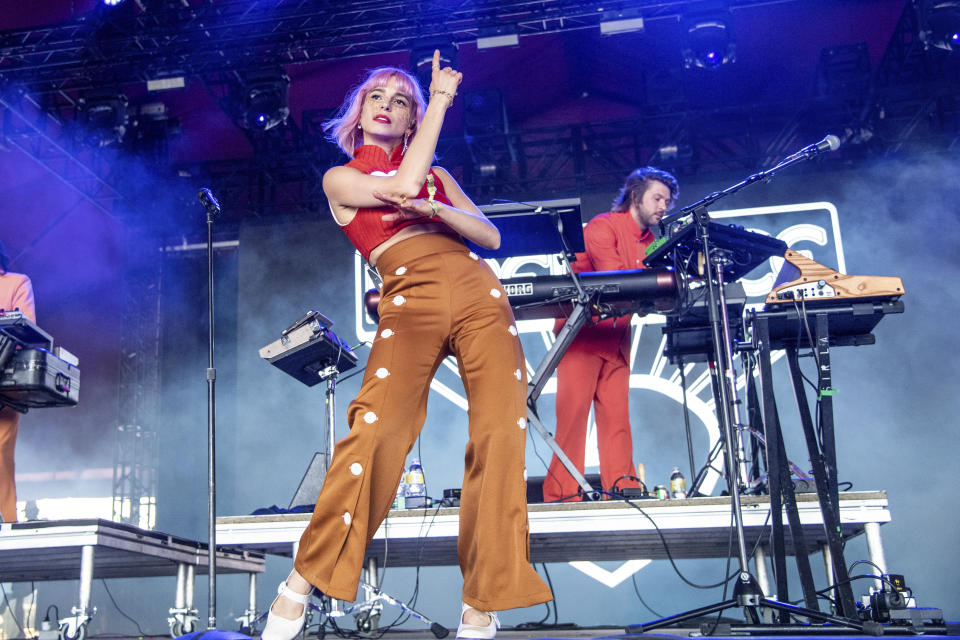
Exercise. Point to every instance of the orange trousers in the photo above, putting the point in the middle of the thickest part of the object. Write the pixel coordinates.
(437, 299)
(585, 377)
(9, 421)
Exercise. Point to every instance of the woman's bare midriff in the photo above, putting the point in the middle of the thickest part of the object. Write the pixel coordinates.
(403, 234)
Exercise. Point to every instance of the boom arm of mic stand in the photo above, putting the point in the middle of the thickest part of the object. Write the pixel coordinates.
(701, 205)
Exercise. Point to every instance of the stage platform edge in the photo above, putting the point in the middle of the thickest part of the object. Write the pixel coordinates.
(594, 531)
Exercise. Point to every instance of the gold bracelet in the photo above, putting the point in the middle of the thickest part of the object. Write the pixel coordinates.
(450, 96)
(432, 191)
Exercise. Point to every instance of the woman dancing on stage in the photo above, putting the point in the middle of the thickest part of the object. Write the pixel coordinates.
(408, 219)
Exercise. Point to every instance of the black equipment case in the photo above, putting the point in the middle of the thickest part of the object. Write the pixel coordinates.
(34, 378)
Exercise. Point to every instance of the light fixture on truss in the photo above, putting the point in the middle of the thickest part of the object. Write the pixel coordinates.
(708, 41)
(265, 101)
(940, 23)
(102, 117)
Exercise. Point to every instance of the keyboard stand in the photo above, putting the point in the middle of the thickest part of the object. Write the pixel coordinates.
(545, 228)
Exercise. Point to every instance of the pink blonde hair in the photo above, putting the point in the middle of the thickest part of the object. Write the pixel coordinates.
(342, 129)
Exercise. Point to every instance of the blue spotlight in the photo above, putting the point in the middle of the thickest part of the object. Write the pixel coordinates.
(940, 23)
(264, 102)
(112, 3)
(708, 43)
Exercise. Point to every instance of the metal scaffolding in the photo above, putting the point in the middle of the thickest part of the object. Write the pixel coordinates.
(152, 39)
(136, 462)
(909, 103)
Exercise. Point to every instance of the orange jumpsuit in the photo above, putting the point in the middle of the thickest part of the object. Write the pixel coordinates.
(16, 292)
(596, 368)
(437, 299)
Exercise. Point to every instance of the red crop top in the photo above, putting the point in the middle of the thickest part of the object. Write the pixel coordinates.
(367, 230)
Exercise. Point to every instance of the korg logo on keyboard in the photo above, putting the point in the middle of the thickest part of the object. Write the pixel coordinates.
(519, 289)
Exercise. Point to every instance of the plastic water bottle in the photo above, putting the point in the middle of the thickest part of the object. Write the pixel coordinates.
(399, 501)
(416, 491)
(678, 484)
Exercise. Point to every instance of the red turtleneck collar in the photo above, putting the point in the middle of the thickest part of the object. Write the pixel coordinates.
(374, 157)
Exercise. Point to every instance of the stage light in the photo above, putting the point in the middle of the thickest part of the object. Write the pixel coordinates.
(487, 170)
(502, 36)
(265, 101)
(151, 129)
(668, 151)
(102, 118)
(112, 3)
(708, 42)
(163, 84)
(625, 21)
(673, 153)
(844, 71)
(940, 24)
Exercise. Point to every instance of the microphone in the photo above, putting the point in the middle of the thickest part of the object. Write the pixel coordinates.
(209, 202)
(830, 143)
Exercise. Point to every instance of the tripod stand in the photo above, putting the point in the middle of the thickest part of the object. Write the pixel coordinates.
(715, 263)
(366, 613)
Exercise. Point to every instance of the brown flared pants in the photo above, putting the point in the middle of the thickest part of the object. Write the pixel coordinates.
(437, 299)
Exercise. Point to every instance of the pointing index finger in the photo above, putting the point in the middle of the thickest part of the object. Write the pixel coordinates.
(436, 59)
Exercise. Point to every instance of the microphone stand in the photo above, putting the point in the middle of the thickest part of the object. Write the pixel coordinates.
(746, 592)
(212, 208)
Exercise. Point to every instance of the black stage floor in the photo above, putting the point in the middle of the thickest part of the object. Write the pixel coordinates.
(618, 634)
(598, 633)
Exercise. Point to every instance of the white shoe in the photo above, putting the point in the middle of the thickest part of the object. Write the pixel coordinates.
(486, 632)
(279, 628)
